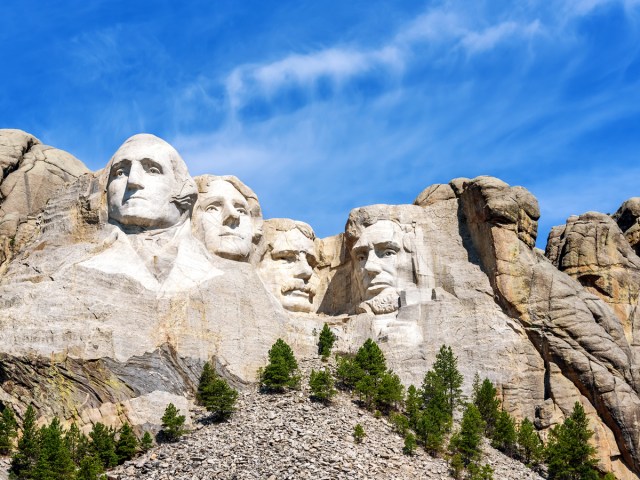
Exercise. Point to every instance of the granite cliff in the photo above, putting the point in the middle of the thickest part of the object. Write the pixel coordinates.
(117, 285)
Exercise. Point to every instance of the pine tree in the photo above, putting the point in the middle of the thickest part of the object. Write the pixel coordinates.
(77, 443)
(90, 468)
(400, 423)
(530, 447)
(569, 454)
(321, 384)
(409, 444)
(435, 419)
(103, 444)
(24, 459)
(215, 394)
(467, 441)
(358, 433)
(485, 397)
(127, 444)
(389, 392)
(366, 390)
(504, 434)
(147, 442)
(172, 423)
(412, 406)
(371, 359)
(326, 341)
(280, 373)
(477, 472)
(348, 373)
(446, 369)
(8, 430)
(54, 460)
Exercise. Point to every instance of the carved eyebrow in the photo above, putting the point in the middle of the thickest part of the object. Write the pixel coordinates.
(125, 162)
(388, 244)
(285, 251)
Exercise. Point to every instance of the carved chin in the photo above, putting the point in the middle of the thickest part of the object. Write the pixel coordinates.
(386, 302)
(233, 248)
(296, 301)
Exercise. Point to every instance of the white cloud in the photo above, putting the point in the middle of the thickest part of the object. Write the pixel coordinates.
(487, 39)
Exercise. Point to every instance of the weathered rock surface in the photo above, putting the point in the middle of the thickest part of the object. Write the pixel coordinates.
(107, 312)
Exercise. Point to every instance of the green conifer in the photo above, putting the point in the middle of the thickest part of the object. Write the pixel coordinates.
(172, 423)
(90, 468)
(505, 435)
(8, 430)
(409, 444)
(77, 443)
(280, 372)
(127, 444)
(569, 454)
(147, 442)
(348, 372)
(54, 460)
(103, 444)
(389, 392)
(215, 394)
(321, 384)
(445, 368)
(530, 447)
(358, 433)
(412, 406)
(400, 423)
(24, 459)
(467, 441)
(326, 341)
(371, 359)
(485, 397)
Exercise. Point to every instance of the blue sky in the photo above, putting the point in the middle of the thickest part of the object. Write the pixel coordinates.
(323, 106)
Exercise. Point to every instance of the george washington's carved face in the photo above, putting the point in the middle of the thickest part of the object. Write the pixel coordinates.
(143, 185)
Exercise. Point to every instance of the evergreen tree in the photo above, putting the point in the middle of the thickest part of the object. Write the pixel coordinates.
(485, 397)
(530, 447)
(147, 442)
(389, 392)
(215, 394)
(477, 472)
(400, 423)
(172, 423)
(103, 444)
(569, 454)
(412, 406)
(54, 460)
(348, 372)
(24, 459)
(90, 468)
(409, 444)
(8, 430)
(326, 341)
(321, 384)
(456, 465)
(77, 443)
(280, 373)
(127, 444)
(435, 419)
(366, 390)
(358, 433)
(504, 434)
(371, 359)
(446, 369)
(467, 441)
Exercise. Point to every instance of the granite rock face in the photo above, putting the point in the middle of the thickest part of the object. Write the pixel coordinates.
(132, 277)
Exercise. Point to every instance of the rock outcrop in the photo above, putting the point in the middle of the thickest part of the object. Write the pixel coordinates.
(115, 298)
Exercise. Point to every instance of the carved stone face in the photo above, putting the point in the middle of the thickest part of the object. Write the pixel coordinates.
(287, 270)
(226, 223)
(141, 184)
(376, 258)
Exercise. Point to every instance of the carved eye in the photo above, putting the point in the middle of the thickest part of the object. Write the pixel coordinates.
(389, 253)
(213, 208)
(119, 172)
(241, 210)
(154, 170)
(361, 257)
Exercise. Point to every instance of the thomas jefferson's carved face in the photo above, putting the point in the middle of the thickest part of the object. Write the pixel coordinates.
(140, 188)
(226, 223)
(287, 270)
(375, 256)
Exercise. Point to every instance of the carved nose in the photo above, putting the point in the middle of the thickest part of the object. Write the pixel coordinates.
(134, 180)
(231, 215)
(372, 265)
(303, 269)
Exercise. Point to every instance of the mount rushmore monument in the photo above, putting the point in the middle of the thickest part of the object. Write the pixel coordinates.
(116, 286)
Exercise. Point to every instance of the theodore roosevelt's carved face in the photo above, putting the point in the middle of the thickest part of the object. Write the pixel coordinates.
(227, 225)
(375, 255)
(142, 184)
(287, 268)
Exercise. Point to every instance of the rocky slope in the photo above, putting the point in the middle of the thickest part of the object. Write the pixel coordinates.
(288, 436)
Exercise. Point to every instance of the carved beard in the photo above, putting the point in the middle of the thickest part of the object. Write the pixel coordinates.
(387, 302)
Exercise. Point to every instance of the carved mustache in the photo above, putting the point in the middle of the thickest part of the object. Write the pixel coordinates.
(298, 285)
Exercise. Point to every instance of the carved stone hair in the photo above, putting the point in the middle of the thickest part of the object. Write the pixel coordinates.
(203, 182)
(363, 217)
(273, 226)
